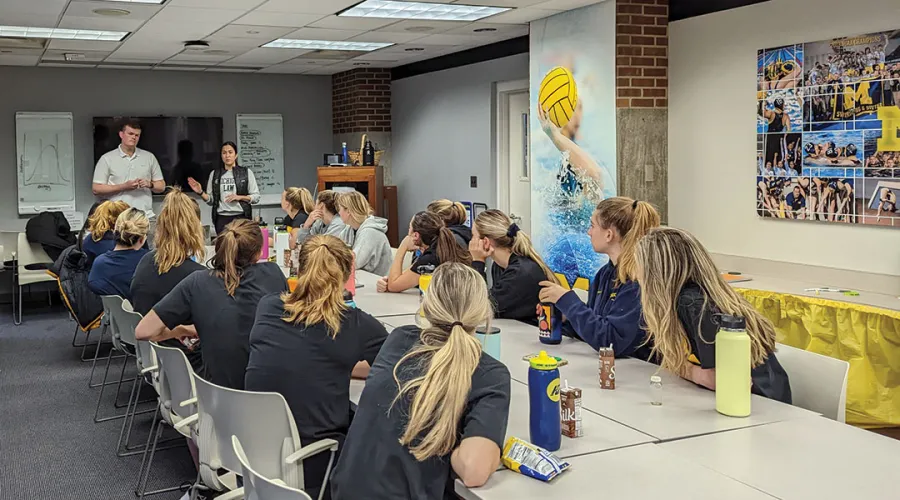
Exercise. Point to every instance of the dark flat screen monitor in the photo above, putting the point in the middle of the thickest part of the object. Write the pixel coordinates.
(184, 146)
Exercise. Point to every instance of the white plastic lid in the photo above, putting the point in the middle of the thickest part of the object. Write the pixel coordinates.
(655, 378)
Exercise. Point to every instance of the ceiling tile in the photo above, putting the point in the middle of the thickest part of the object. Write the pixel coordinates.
(199, 57)
(352, 23)
(33, 7)
(108, 65)
(100, 23)
(20, 52)
(225, 69)
(450, 40)
(385, 37)
(520, 16)
(60, 55)
(422, 27)
(142, 11)
(322, 34)
(494, 30)
(116, 58)
(83, 45)
(17, 60)
(188, 15)
(565, 4)
(36, 20)
(45, 64)
(501, 3)
(266, 56)
(216, 4)
(173, 61)
(286, 19)
(285, 69)
(309, 61)
(244, 32)
(307, 6)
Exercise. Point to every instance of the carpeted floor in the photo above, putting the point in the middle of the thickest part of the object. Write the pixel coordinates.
(50, 448)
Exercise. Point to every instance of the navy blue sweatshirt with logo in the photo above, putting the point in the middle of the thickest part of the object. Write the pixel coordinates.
(612, 315)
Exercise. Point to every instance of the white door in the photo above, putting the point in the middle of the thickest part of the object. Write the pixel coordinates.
(519, 179)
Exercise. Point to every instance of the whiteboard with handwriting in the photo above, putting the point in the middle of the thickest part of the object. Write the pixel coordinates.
(45, 162)
(261, 149)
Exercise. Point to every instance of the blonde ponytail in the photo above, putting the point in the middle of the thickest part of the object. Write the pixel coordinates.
(318, 297)
(104, 218)
(300, 199)
(456, 303)
(499, 228)
(131, 226)
(633, 220)
(236, 248)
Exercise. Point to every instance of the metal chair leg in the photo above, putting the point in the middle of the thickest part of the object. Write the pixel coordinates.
(97, 418)
(142, 483)
(129, 419)
(19, 320)
(75, 337)
(91, 383)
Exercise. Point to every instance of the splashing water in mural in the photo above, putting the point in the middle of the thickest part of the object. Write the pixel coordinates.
(569, 204)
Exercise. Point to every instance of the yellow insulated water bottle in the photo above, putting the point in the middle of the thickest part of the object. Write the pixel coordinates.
(732, 367)
(424, 281)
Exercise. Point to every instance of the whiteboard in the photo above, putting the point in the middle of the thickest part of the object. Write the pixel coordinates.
(45, 162)
(261, 149)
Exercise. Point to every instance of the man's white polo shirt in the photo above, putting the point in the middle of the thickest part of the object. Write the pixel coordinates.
(116, 167)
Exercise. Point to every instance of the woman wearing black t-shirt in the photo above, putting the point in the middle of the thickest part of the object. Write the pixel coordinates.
(179, 239)
(305, 344)
(677, 274)
(427, 233)
(220, 304)
(433, 403)
(297, 203)
(518, 270)
(454, 215)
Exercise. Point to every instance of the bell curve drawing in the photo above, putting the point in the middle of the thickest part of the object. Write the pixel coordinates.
(45, 162)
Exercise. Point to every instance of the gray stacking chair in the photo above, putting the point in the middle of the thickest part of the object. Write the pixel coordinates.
(257, 487)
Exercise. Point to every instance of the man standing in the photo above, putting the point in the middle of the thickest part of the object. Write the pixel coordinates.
(129, 173)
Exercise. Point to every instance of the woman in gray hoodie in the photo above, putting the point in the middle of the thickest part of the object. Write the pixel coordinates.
(324, 220)
(370, 243)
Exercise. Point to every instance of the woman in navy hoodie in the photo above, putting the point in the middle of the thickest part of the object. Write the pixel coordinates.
(612, 315)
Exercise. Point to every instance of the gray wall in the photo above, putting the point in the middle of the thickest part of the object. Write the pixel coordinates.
(303, 101)
(442, 133)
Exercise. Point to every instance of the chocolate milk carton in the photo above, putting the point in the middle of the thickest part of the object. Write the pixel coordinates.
(607, 368)
(570, 411)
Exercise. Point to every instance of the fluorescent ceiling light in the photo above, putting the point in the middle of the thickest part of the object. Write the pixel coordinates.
(288, 43)
(62, 33)
(390, 9)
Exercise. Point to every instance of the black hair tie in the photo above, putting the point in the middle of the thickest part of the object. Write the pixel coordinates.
(457, 323)
(513, 230)
(634, 205)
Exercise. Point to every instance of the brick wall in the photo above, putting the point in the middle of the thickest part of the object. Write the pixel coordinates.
(361, 101)
(642, 53)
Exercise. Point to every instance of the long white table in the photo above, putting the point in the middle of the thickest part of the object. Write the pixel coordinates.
(801, 459)
(641, 472)
(383, 304)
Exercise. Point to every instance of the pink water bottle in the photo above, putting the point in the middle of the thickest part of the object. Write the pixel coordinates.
(350, 285)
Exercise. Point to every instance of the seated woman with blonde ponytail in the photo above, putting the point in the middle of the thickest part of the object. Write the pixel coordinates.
(518, 270)
(297, 203)
(305, 344)
(112, 271)
(219, 303)
(433, 402)
(612, 315)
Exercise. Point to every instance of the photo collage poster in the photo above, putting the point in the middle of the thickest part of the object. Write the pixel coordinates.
(828, 130)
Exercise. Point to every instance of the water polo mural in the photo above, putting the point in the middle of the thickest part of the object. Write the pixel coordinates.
(573, 139)
(828, 125)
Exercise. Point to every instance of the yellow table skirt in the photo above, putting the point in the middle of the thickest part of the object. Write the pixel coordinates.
(866, 337)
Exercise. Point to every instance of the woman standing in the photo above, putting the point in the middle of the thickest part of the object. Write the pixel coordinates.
(220, 304)
(111, 272)
(370, 244)
(427, 233)
(613, 312)
(305, 345)
(230, 191)
(433, 403)
(518, 270)
(101, 237)
(678, 276)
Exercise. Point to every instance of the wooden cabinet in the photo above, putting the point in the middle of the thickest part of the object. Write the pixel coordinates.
(367, 180)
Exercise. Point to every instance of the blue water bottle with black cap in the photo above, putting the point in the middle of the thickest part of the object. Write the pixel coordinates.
(543, 396)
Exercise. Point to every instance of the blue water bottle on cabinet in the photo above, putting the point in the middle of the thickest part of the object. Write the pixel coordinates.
(543, 396)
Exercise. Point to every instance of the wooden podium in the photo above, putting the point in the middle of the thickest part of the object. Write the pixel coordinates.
(367, 180)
